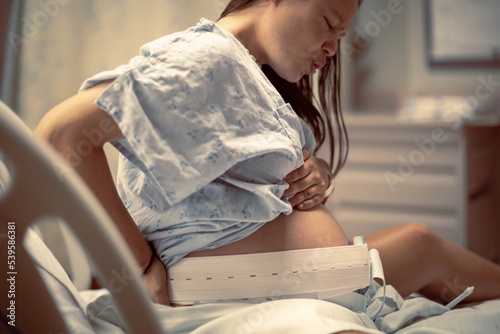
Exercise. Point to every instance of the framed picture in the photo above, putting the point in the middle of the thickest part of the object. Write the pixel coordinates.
(463, 32)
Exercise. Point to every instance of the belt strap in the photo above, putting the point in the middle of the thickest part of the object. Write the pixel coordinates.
(358, 301)
(321, 273)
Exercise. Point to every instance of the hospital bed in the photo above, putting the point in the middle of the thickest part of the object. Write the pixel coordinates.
(39, 297)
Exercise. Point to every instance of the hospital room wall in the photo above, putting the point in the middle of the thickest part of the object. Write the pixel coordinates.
(393, 64)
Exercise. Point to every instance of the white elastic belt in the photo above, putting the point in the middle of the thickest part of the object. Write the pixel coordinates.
(321, 273)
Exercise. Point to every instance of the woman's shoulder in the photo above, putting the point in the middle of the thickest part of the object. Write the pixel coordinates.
(202, 44)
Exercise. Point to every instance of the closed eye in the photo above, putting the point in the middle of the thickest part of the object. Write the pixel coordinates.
(328, 23)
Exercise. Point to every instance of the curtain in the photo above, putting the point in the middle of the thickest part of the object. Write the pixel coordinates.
(11, 19)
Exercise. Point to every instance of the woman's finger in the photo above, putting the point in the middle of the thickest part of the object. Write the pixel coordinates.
(310, 203)
(305, 195)
(302, 171)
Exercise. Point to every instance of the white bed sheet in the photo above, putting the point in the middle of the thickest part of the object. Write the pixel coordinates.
(282, 316)
(413, 315)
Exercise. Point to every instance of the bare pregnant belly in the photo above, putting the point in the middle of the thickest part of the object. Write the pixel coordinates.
(313, 228)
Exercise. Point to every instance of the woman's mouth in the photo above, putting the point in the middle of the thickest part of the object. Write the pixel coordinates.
(316, 65)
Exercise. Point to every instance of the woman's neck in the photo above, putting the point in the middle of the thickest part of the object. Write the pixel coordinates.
(244, 26)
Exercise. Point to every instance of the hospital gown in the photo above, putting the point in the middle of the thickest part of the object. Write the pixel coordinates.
(208, 140)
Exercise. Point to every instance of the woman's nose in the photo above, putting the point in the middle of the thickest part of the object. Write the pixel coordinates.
(330, 47)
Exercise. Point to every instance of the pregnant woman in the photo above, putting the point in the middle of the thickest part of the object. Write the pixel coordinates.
(215, 126)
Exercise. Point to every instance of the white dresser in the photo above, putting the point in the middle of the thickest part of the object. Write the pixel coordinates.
(443, 174)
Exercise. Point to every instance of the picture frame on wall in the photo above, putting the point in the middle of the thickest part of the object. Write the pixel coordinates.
(463, 33)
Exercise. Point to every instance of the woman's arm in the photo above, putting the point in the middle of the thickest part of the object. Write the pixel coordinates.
(78, 130)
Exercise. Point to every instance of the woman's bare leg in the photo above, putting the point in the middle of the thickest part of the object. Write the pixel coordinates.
(416, 259)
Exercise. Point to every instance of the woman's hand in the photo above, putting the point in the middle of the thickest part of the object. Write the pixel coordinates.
(156, 282)
(308, 183)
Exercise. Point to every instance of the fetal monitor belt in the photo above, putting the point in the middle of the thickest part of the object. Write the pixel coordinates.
(320, 273)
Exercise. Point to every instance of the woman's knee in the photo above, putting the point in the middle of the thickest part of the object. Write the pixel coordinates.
(421, 234)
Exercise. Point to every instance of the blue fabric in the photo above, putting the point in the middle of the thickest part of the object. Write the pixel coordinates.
(208, 140)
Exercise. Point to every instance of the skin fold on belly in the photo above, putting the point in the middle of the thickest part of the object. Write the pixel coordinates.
(314, 228)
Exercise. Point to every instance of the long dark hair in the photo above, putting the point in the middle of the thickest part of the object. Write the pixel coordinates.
(301, 98)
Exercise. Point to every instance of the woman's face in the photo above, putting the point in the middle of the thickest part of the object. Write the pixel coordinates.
(297, 36)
